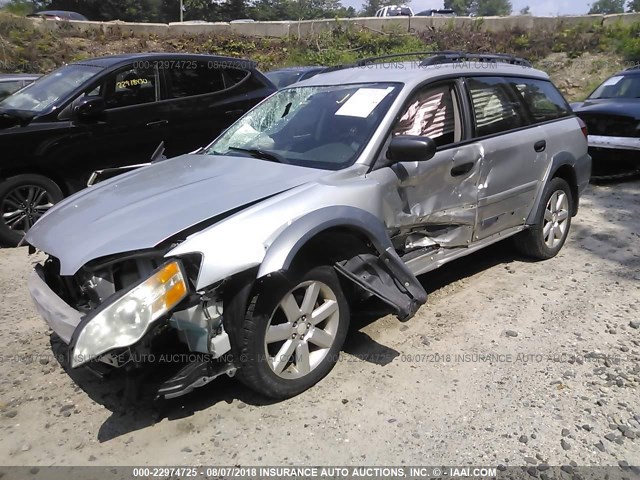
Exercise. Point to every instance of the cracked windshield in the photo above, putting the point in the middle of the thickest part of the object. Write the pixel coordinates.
(318, 127)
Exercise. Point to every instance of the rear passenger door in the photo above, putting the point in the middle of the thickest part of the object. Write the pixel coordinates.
(511, 167)
(204, 98)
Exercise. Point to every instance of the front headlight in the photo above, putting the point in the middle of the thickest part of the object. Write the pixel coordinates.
(125, 321)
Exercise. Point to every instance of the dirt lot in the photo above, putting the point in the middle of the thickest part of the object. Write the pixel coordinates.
(510, 362)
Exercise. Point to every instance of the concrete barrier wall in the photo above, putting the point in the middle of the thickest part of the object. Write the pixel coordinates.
(310, 27)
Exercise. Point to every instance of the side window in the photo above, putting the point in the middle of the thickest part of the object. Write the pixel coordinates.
(233, 76)
(542, 99)
(432, 112)
(7, 88)
(495, 106)
(201, 79)
(128, 87)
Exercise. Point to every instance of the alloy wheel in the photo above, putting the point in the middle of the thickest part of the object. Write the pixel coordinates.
(302, 329)
(24, 205)
(556, 219)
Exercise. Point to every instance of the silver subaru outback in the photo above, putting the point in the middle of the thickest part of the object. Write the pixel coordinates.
(248, 255)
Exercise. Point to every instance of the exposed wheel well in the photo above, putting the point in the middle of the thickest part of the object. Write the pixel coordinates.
(568, 174)
(332, 245)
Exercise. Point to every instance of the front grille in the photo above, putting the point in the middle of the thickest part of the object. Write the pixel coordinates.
(611, 126)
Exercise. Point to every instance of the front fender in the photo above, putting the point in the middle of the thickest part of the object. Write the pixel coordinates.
(286, 245)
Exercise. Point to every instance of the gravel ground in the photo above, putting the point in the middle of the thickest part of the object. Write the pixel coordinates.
(510, 362)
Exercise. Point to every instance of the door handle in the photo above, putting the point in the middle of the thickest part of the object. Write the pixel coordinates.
(234, 113)
(540, 146)
(158, 123)
(459, 170)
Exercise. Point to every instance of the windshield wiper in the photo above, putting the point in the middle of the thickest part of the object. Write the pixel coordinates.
(261, 154)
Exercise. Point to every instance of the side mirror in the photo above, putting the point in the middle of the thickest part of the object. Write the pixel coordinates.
(411, 148)
(89, 109)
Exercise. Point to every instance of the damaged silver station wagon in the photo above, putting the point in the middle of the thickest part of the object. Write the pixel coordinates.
(251, 251)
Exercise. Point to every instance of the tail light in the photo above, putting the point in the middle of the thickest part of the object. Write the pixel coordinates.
(583, 127)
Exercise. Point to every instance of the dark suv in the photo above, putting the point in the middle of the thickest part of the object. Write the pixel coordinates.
(112, 112)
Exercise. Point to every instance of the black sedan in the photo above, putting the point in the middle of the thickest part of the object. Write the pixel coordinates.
(612, 116)
(112, 112)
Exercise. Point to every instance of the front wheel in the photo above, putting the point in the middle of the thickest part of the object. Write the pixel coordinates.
(545, 238)
(293, 333)
(23, 200)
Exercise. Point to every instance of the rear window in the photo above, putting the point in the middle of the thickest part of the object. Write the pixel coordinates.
(542, 99)
(196, 78)
(495, 106)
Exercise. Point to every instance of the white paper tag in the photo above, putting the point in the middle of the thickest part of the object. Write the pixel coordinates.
(363, 102)
(612, 81)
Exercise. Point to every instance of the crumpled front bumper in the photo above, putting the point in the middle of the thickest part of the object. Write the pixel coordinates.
(616, 143)
(60, 317)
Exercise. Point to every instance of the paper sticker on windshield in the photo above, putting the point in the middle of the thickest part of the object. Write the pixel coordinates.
(363, 102)
(612, 81)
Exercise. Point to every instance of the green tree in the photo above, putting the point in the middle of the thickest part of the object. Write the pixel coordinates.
(607, 6)
(633, 6)
(526, 10)
(370, 7)
(20, 7)
(491, 8)
(232, 10)
(461, 7)
(480, 8)
(128, 10)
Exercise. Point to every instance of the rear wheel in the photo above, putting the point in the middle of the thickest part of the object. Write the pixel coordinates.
(293, 333)
(546, 237)
(23, 200)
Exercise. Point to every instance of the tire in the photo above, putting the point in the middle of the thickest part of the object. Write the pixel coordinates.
(298, 352)
(545, 238)
(24, 199)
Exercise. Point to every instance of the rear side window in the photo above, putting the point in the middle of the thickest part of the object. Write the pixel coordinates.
(233, 76)
(542, 99)
(7, 88)
(196, 78)
(496, 108)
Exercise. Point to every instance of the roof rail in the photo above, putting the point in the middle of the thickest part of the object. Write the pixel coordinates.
(634, 67)
(459, 57)
(447, 56)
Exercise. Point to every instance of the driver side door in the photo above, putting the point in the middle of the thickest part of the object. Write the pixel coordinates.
(438, 196)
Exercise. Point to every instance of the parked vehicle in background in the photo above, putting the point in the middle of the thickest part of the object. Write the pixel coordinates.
(12, 82)
(612, 116)
(284, 77)
(112, 112)
(344, 186)
(395, 11)
(442, 12)
(58, 15)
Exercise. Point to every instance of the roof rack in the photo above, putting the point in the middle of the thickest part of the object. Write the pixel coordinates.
(447, 56)
(634, 67)
(459, 57)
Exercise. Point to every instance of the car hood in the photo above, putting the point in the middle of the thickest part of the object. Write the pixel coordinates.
(629, 107)
(140, 209)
